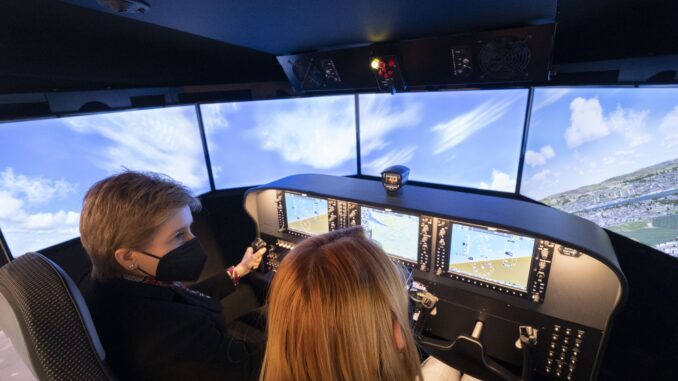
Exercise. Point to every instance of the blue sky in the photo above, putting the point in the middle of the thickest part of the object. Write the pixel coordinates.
(252, 143)
(469, 138)
(46, 166)
(584, 136)
(466, 138)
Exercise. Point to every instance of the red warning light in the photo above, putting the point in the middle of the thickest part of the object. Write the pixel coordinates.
(387, 73)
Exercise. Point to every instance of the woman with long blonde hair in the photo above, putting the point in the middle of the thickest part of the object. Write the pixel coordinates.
(338, 311)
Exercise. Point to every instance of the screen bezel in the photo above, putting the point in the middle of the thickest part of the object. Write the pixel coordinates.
(307, 195)
(530, 274)
(389, 210)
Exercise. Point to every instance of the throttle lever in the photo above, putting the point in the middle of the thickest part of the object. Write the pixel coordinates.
(527, 340)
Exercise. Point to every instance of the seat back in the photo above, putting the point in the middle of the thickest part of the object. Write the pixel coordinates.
(46, 318)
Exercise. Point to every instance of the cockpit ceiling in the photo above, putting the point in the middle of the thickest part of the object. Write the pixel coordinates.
(305, 25)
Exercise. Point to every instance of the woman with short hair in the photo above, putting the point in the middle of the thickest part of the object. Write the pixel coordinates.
(136, 230)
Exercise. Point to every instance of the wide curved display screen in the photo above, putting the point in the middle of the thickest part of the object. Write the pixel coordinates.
(252, 143)
(47, 166)
(462, 138)
(609, 155)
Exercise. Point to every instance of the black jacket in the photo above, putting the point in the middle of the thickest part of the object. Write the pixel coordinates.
(153, 332)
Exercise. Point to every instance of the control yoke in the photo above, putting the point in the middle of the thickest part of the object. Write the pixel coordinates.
(467, 352)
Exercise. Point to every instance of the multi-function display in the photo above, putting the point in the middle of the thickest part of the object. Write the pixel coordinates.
(484, 256)
(397, 233)
(306, 215)
(490, 255)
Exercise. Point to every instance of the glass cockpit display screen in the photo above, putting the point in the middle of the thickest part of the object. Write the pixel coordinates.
(306, 215)
(397, 233)
(493, 256)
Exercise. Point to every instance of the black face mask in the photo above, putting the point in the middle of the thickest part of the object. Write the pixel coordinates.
(184, 263)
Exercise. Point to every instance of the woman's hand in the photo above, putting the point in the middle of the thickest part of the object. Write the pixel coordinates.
(250, 261)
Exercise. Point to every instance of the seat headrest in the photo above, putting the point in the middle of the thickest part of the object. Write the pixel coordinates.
(56, 328)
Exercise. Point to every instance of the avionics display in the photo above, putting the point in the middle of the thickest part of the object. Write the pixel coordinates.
(306, 215)
(493, 256)
(397, 233)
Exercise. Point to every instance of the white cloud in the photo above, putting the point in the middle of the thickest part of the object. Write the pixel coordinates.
(631, 124)
(588, 123)
(549, 97)
(49, 221)
(319, 132)
(500, 182)
(37, 191)
(534, 158)
(378, 119)
(393, 157)
(10, 206)
(461, 127)
(162, 140)
(215, 116)
(25, 223)
(541, 176)
(21, 240)
(669, 127)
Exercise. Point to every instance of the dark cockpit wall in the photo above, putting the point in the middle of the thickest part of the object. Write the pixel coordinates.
(70, 58)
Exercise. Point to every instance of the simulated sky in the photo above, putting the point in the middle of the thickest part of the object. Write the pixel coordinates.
(464, 138)
(252, 143)
(584, 136)
(46, 166)
(577, 137)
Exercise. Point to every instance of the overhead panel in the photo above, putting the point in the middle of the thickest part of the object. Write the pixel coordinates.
(517, 55)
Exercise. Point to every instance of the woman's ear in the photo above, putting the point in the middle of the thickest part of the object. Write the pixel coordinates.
(398, 338)
(124, 258)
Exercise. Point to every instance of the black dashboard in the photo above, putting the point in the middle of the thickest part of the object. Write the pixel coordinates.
(495, 270)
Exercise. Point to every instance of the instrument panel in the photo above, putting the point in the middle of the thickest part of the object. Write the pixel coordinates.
(499, 271)
(496, 259)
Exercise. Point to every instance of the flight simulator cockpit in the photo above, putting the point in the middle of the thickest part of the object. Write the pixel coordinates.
(505, 289)
(538, 138)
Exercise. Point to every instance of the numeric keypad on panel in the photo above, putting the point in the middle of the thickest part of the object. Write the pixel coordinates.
(564, 351)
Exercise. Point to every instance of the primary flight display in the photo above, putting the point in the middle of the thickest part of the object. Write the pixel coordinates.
(489, 255)
(397, 233)
(306, 215)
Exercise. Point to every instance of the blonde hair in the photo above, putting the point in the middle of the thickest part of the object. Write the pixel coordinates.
(123, 211)
(332, 306)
